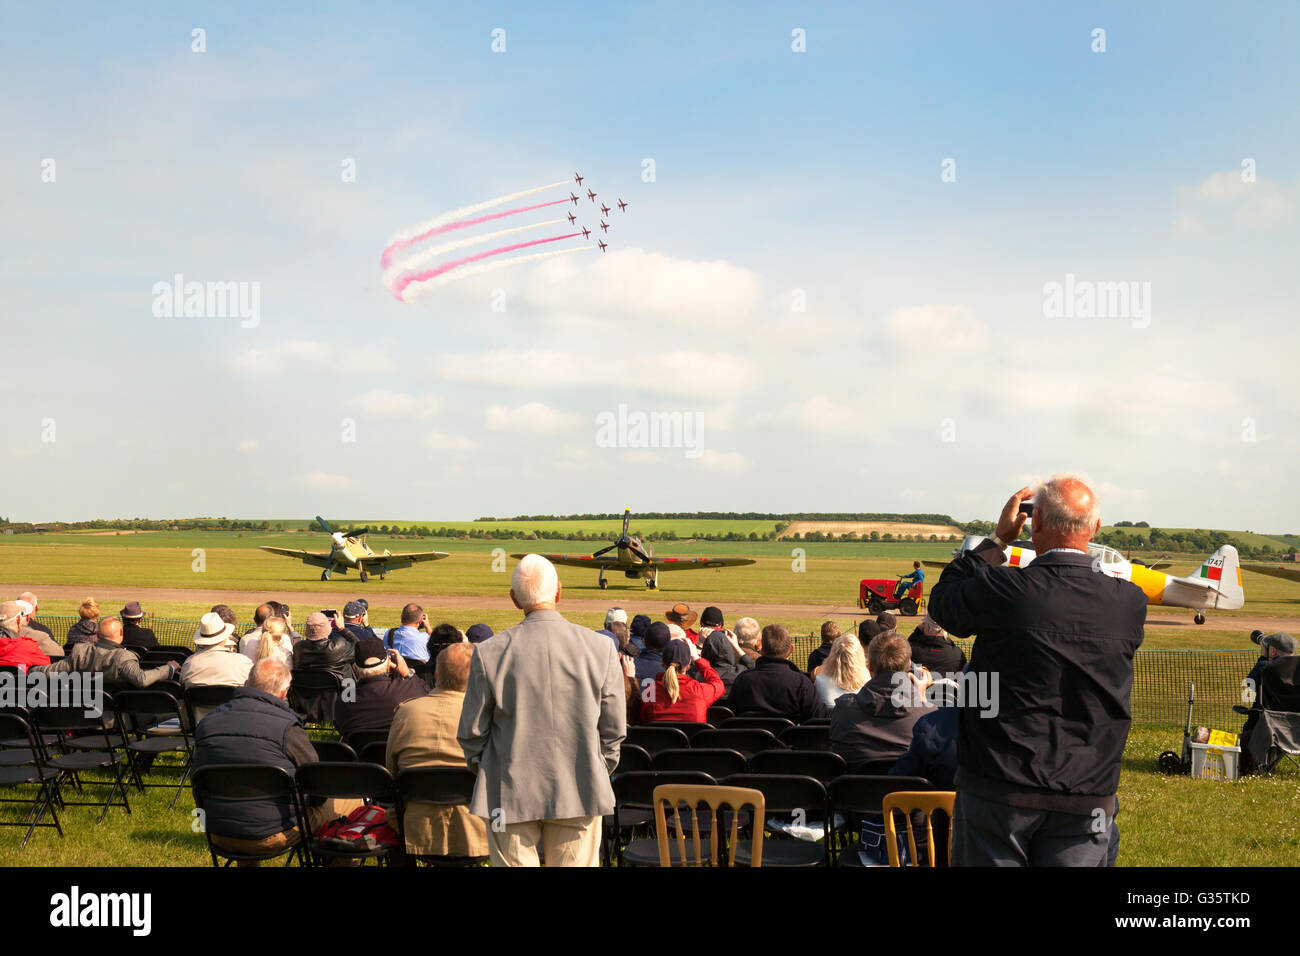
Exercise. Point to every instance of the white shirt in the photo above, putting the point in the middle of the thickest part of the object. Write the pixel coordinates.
(828, 691)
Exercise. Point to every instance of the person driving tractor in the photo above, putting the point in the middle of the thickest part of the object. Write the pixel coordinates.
(905, 581)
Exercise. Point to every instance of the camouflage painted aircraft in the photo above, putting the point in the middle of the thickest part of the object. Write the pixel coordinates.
(348, 549)
(1216, 584)
(636, 560)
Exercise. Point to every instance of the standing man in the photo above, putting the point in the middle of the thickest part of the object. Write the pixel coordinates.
(545, 714)
(1038, 766)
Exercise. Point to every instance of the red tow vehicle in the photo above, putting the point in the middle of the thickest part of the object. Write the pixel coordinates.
(877, 595)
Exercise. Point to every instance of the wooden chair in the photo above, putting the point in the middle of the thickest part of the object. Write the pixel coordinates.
(736, 798)
(906, 801)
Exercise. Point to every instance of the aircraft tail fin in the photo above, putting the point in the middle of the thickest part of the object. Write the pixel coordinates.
(1223, 570)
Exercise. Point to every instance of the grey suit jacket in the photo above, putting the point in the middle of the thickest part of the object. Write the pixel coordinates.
(543, 719)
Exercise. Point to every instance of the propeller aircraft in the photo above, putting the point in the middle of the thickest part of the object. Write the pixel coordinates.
(349, 550)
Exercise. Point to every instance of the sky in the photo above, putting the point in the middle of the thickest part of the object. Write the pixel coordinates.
(844, 261)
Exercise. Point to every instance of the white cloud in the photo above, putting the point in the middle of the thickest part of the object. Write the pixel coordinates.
(1223, 186)
(1191, 227)
(324, 481)
(442, 442)
(533, 418)
(391, 404)
(248, 446)
(297, 354)
(824, 414)
(1253, 204)
(920, 327)
(546, 369)
(647, 283)
(731, 461)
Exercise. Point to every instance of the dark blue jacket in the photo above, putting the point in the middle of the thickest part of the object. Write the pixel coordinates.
(252, 727)
(776, 688)
(933, 751)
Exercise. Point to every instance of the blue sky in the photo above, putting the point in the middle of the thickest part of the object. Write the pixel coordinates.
(922, 376)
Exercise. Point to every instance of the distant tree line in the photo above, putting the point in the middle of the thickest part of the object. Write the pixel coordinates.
(741, 516)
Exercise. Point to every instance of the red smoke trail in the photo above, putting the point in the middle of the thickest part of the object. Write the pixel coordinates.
(400, 285)
(387, 258)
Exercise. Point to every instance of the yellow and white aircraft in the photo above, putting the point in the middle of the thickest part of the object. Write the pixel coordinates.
(1216, 584)
(348, 549)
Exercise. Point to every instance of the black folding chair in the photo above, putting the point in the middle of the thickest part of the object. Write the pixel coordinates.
(161, 655)
(346, 781)
(374, 752)
(717, 714)
(689, 729)
(807, 737)
(33, 771)
(635, 792)
(858, 796)
(17, 750)
(94, 749)
(358, 739)
(774, 724)
(313, 692)
(247, 783)
(748, 741)
(335, 751)
(632, 758)
(785, 794)
(436, 787)
(657, 737)
(819, 764)
(139, 712)
(200, 699)
(716, 762)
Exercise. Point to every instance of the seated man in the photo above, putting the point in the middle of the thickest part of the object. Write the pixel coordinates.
(356, 622)
(106, 655)
(257, 726)
(410, 638)
(721, 648)
(875, 724)
(1272, 647)
(135, 634)
(324, 648)
(424, 735)
(650, 662)
(215, 661)
(830, 633)
(16, 648)
(934, 649)
(905, 581)
(776, 687)
(383, 681)
(30, 627)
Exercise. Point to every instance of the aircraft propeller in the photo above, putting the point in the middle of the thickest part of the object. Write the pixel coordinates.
(624, 541)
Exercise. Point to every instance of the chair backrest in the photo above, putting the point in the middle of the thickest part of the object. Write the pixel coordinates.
(716, 762)
(243, 783)
(15, 727)
(774, 724)
(206, 697)
(748, 741)
(736, 798)
(906, 801)
(875, 768)
(160, 655)
(807, 737)
(784, 793)
(688, 728)
(819, 764)
(374, 752)
(315, 679)
(1280, 685)
(631, 757)
(334, 750)
(657, 737)
(157, 705)
(346, 780)
(717, 714)
(172, 687)
(636, 789)
(358, 739)
(856, 793)
(437, 786)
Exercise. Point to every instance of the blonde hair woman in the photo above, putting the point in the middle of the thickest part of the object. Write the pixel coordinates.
(844, 672)
(273, 642)
(87, 627)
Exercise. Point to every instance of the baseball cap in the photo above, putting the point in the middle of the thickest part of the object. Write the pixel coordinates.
(615, 615)
(657, 636)
(639, 624)
(24, 608)
(370, 651)
(712, 617)
(478, 633)
(354, 609)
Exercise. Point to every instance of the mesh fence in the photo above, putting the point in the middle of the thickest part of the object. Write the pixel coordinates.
(1160, 678)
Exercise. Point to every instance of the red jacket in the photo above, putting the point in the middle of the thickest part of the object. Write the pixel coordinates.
(693, 703)
(22, 651)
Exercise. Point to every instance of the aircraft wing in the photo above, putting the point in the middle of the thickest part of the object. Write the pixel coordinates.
(691, 564)
(606, 561)
(395, 562)
(936, 564)
(1274, 571)
(318, 559)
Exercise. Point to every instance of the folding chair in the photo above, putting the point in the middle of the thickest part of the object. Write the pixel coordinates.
(858, 796)
(33, 771)
(748, 741)
(631, 757)
(374, 752)
(635, 791)
(17, 751)
(95, 749)
(784, 794)
(137, 707)
(246, 783)
(161, 655)
(358, 739)
(334, 750)
(718, 713)
(716, 762)
(436, 787)
(807, 737)
(819, 764)
(657, 737)
(312, 693)
(369, 782)
(774, 724)
(200, 699)
(716, 798)
(928, 802)
(688, 728)
(1276, 735)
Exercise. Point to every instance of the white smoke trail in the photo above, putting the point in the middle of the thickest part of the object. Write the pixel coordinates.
(410, 232)
(428, 255)
(417, 289)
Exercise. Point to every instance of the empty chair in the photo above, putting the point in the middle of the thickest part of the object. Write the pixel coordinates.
(312, 693)
(358, 739)
(673, 850)
(202, 699)
(819, 764)
(437, 787)
(245, 783)
(657, 737)
(96, 749)
(858, 797)
(689, 729)
(34, 772)
(907, 802)
(748, 741)
(635, 791)
(718, 713)
(140, 712)
(807, 737)
(368, 782)
(632, 758)
(374, 752)
(161, 655)
(784, 794)
(774, 724)
(716, 762)
(333, 750)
